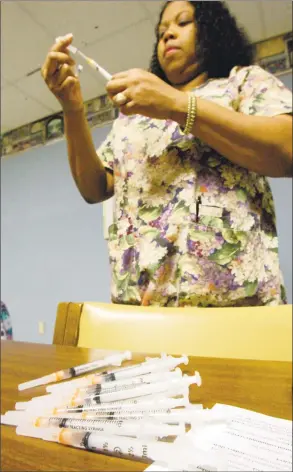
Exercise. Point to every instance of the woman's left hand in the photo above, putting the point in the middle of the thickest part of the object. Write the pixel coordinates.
(146, 94)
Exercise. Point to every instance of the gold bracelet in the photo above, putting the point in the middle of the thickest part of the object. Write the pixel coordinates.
(191, 113)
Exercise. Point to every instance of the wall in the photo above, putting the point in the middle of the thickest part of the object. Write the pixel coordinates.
(52, 243)
(287, 80)
(282, 191)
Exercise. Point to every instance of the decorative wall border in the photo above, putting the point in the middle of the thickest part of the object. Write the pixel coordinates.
(99, 111)
(275, 55)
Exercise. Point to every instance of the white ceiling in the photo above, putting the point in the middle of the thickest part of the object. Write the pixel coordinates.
(118, 34)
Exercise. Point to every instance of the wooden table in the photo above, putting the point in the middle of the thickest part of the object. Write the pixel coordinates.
(261, 386)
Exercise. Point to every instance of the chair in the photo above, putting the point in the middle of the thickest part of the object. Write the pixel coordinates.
(66, 329)
(263, 333)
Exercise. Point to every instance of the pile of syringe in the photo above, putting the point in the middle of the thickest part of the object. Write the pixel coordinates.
(134, 412)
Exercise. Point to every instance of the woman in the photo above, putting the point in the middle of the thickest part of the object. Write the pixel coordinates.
(187, 159)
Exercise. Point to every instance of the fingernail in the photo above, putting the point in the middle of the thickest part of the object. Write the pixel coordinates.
(69, 35)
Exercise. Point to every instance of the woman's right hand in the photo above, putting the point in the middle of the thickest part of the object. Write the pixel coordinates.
(59, 75)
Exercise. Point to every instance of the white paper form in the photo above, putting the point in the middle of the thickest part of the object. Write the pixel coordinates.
(184, 443)
(156, 468)
(251, 440)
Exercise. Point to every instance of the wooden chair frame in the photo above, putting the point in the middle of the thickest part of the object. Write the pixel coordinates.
(66, 330)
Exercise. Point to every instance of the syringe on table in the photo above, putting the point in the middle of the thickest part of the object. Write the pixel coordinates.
(152, 365)
(115, 360)
(147, 401)
(179, 455)
(76, 396)
(174, 386)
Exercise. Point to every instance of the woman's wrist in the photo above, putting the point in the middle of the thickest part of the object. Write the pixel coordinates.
(72, 108)
(179, 108)
(74, 116)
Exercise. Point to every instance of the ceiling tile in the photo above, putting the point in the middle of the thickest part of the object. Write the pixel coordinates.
(3, 82)
(35, 87)
(277, 17)
(248, 15)
(93, 85)
(17, 109)
(123, 39)
(153, 6)
(89, 21)
(126, 52)
(23, 42)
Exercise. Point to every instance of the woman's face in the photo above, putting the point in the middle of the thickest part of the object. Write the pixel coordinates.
(176, 47)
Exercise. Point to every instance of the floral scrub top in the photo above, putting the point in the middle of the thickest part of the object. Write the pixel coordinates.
(190, 227)
(6, 326)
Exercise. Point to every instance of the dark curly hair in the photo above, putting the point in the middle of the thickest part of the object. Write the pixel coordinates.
(220, 45)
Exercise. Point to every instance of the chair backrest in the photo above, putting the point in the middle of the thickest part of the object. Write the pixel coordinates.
(263, 333)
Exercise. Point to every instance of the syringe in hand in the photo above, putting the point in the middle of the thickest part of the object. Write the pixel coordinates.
(90, 62)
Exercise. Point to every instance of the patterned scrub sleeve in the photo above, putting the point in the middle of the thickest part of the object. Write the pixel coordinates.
(106, 154)
(106, 149)
(262, 94)
(6, 326)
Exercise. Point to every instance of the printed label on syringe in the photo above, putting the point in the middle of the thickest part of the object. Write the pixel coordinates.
(134, 414)
(81, 369)
(102, 389)
(116, 404)
(109, 377)
(99, 397)
(138, 391)
(82, 424)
